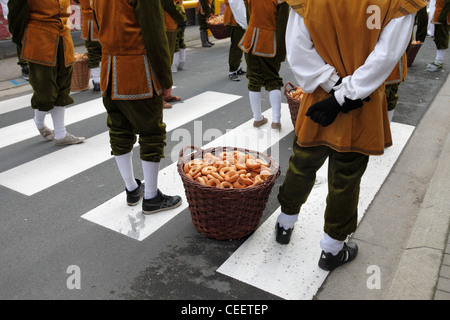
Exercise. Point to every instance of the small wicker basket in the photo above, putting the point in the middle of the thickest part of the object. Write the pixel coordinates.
(294, 104)
(413, 50)
(226, 214)
(81, 74)
(218, 30)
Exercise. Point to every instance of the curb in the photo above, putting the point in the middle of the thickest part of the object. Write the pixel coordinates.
(421, 259)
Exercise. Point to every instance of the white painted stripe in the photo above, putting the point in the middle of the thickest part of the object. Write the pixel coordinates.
(291, 271)
(18, 103)
(116, 215)
(41, 173)
(15, 103)
(27, 129)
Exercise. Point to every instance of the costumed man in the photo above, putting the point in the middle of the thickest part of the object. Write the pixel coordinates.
(343, 115)
(89, 32)
(205, 9)
(422, 24)
(135, 71)
(22, 63)
(40, 28)
(441, 22)
(179, 57)
(235, 18)
(174, 17)
(264, 46)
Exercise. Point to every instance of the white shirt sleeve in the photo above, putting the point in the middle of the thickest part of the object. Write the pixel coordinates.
(391, 45)
(311, 71)
(239, 12)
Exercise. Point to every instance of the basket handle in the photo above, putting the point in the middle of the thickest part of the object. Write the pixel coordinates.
(197, 149)
(286, 90)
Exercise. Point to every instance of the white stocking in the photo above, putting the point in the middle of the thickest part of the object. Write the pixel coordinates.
(151, 170)
(95, 73)
(275, 102)
(125, 164)
(330, 245)
(58, 122)
(39, 118)
(255, 103)
(287, 221)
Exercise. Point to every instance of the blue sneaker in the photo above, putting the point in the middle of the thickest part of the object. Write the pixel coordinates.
(434, 66)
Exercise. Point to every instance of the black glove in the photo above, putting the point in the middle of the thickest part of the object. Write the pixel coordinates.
(325, 112)
(350, 105)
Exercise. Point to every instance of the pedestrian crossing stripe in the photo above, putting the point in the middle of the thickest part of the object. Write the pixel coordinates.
(14, 104)
(44, 172)
(117, 216)
(27, 129)
(17, 103)
(291, 271)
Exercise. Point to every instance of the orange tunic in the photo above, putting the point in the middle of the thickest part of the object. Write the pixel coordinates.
(47, 26)
(399, 73)
(439, 6)
(124, 56)
(171, 24)
(89, 30)
(365, 130)
(228, 18)
(261, 32)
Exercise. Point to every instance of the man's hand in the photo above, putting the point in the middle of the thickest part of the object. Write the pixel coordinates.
(326, 111)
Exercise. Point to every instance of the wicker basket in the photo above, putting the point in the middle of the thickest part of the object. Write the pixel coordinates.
(294, 104)
(219, 31)
(226, 214)
(414, 48)
(81, 74)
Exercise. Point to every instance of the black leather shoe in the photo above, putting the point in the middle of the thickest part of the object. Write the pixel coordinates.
(240, 71)
(134, 196)
(233, 76)
(283, 236)
(329, 262)
(160, 203)
(96, 87)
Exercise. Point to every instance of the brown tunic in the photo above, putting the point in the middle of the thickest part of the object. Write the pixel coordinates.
(228, 17)
(439, 6)
(124, 56)
(47, 26)
(399, 73)
(261, 32)
(89, 30)
(171, 24)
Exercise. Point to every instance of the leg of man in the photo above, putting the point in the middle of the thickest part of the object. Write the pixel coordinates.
(345, 170)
